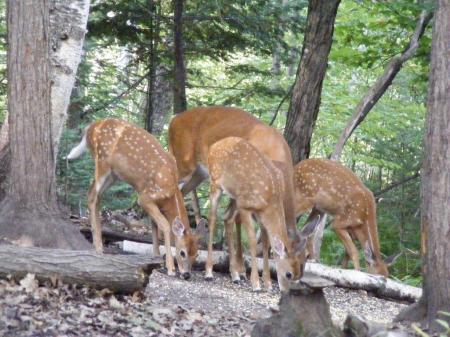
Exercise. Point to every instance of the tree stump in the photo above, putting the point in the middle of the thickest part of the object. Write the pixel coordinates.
(304, 311)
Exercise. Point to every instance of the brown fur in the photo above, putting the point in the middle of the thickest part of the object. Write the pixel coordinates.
(336, 190)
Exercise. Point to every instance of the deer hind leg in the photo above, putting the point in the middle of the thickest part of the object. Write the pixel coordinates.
(236, 219)
(266, 270)
(103, 179)
(214, 196)
(153, 211)
(350, 247)
(155, 239)
(248, 223)
(229, 224)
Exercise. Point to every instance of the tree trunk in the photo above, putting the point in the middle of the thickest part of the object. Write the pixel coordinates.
(381, 85)
(305, 102)
(179, 86)
(119, 273)
(436, 181)
(29, 213)
(68, 20)
(4, 133)
(151, 77)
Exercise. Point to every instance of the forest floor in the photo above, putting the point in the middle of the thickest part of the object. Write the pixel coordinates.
(168, 307)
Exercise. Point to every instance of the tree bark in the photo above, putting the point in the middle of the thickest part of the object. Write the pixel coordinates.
(435, 176)
(381, 85)
(119, 273)
(29, 212)
(68, 20)
(151, 78)
(179, 86)
(305, 102)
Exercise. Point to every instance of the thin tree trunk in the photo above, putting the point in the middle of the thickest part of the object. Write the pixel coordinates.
(179, 86)
(4, 133)
(68, 20)
(436, 181)
(151, 78)
(29, 213)
(305, 102)
(381, 85)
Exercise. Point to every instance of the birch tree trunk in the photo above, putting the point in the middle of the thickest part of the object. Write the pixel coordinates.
(68, 20)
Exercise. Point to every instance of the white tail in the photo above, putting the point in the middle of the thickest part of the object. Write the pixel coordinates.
(78, 150)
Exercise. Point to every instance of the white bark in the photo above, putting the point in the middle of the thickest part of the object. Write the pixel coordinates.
(68, 26)
(4, 132)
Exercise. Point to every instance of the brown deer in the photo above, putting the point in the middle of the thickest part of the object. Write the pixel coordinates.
(193, 132)
(336, 190)
(123, 151)
(238, 169)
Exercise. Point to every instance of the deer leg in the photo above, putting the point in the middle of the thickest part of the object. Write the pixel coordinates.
(350, 247)
(153, 211)
(229, 224)
(266, 270)
(214, 196)
(155, 237)
(196, 206)
(248, 223)
(98, 186)
(239, 254)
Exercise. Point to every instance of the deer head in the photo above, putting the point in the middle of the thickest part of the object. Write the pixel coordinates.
(291, 259)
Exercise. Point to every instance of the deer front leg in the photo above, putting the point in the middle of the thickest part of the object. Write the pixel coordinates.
(266, 270)
(153, 211)
(214, 196)
(246, 218)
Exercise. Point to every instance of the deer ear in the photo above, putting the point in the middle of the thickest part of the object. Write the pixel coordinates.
(300, 246)
(311, 225)
(368, 253)
(390, 260)
(178, 227)
(278, 247)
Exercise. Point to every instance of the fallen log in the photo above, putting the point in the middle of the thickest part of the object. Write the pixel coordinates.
(345, 278)
(119, 273)
(109, 234)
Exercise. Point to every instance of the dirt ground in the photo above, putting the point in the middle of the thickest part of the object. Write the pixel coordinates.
(168, 307)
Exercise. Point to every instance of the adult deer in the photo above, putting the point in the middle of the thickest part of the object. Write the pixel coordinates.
(334, 189)
(193, 132)
(238, 169)
(123, 151)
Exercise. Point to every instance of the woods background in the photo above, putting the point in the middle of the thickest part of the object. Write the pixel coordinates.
(246, 54)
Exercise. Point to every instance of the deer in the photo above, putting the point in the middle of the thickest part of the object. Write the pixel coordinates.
(336, 190)
(123, 151)
(238, 169)
(194, 131)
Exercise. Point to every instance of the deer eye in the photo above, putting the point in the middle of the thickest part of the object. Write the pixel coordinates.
(288, 275)
(183, 254)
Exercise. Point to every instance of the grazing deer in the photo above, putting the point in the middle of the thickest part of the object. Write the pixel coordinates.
(238, 169)
(123, 151)
(334, 189)
(193, 132)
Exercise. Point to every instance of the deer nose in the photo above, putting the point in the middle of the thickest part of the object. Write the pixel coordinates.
(186, 276)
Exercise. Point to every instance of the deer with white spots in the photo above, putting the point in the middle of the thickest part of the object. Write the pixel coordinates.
(123, 151)
(336, 190)
(238, 169)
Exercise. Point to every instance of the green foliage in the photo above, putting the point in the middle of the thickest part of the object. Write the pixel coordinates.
(229, 48)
